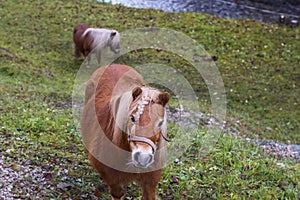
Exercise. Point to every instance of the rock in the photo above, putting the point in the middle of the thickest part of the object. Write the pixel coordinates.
(64, 186)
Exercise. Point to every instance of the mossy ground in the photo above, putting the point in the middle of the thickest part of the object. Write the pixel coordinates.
(259, 64)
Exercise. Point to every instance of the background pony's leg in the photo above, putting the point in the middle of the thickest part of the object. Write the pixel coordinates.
(87, 53)
(88, 61)
(98, 56)
(76, 52)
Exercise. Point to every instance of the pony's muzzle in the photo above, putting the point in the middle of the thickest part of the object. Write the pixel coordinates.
(142, 158)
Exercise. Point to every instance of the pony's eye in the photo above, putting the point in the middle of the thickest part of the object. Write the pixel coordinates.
(132, 118)
(160, 123)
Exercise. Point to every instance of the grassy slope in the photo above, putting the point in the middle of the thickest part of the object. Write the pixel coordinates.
(259, 64)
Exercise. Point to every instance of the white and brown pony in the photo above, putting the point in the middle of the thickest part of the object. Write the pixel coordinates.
(124, 129)
(87, 40)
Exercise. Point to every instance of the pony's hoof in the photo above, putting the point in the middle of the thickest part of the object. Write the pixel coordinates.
(122, 198)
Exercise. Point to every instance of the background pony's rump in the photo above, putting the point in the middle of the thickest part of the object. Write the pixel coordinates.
(79, 45)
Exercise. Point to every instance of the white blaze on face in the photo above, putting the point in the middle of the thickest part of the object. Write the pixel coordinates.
(142, 154)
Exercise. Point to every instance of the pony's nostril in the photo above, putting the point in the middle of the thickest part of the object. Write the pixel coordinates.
(150, 157)
(136, 156)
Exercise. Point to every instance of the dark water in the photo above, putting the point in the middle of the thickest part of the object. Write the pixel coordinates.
(262, 10)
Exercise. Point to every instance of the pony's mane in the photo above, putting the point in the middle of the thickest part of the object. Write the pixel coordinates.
(122, 106)
(101, 36)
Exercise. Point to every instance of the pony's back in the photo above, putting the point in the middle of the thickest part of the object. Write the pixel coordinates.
(103, 37)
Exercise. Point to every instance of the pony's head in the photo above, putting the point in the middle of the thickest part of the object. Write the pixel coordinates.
(146, 124)
(114, 42)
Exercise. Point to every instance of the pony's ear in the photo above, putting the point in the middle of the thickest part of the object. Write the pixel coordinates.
(136, 92)
(113, 33)
(163, 98)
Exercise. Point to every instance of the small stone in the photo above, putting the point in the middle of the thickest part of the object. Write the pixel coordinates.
(280, 164)
(64, 186)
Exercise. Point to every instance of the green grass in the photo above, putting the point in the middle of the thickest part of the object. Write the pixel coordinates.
(259, 64)
(233, 170)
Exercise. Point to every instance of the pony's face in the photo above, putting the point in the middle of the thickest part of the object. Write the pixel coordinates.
(115, 42)
(146, 125)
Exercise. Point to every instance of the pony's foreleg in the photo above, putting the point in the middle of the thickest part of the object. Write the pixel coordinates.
(149, 184)
(98, 56)
(122, 198)
(117, 192)
(88, 59)
(149, 192)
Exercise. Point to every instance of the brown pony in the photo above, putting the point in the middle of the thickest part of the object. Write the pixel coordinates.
(124, 129)
(87, 39)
